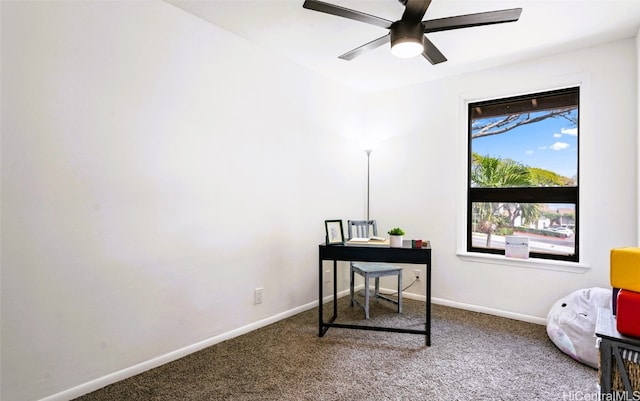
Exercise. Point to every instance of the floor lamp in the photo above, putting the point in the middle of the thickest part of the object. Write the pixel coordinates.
(368, 151)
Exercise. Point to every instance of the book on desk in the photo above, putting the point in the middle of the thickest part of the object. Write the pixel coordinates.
(377, 241)
(369, 241)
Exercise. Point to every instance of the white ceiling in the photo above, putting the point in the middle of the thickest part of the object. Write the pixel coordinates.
(315, 40)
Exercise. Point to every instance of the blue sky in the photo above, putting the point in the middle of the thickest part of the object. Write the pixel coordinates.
(551, 144)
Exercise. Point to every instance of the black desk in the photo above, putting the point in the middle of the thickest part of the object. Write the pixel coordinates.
(372, 253)
(611, 345)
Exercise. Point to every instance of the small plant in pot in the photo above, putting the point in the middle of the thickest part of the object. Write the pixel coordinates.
(395, 238)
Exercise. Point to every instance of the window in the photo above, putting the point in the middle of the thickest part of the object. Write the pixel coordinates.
(523, 174)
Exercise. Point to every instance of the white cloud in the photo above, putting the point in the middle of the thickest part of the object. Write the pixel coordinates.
(557, 135)
(569, 131)
(559, 146)
(529, 152)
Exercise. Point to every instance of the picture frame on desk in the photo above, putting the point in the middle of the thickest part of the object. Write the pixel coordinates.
(334, 232)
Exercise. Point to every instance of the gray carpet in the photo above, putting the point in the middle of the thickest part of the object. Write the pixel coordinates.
(473, 356)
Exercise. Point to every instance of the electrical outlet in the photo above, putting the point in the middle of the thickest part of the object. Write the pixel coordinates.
(257, 296)
(417, 274)
(327, 276)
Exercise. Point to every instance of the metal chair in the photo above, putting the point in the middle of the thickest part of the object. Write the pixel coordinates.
(368, 270)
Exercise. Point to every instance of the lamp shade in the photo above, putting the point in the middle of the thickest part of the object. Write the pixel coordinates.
(406, 39)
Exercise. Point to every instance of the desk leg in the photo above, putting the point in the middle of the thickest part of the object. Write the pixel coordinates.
(427, 325)
(322, 328)
(320, 291)
(335, 290)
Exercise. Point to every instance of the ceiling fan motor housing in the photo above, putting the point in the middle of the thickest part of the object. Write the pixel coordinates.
(406, 32)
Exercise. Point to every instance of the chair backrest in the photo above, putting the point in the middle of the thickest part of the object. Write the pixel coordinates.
(361, 228)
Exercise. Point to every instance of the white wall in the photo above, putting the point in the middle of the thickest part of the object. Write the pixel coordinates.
(424, 164)
(155, 170)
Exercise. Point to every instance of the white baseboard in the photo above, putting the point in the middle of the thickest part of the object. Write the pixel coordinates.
(481, 309)
(489, 311)
(457, 305)
(341, 294)
(101, 382)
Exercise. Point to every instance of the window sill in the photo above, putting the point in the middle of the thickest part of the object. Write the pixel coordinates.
(544, 264)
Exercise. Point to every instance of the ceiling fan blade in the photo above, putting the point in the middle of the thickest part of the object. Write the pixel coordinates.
(346, 13)
(471, 20)
(432, 53)
(415, 10)
(350, 55)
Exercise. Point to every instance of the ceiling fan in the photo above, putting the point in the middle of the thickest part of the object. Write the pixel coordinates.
(407, 35)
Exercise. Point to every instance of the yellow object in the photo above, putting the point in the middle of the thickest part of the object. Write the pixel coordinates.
(625, 268)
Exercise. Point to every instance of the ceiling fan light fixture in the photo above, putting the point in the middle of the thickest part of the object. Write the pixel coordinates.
(406, 48)
(406, 39)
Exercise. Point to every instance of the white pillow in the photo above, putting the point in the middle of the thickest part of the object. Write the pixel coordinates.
(571, 323)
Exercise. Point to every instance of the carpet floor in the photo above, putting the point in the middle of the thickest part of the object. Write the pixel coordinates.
(473, 356)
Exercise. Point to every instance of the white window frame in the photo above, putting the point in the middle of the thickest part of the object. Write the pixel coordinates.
(584, 264)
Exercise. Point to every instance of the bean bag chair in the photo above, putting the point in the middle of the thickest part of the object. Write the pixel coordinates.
(571, 323)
